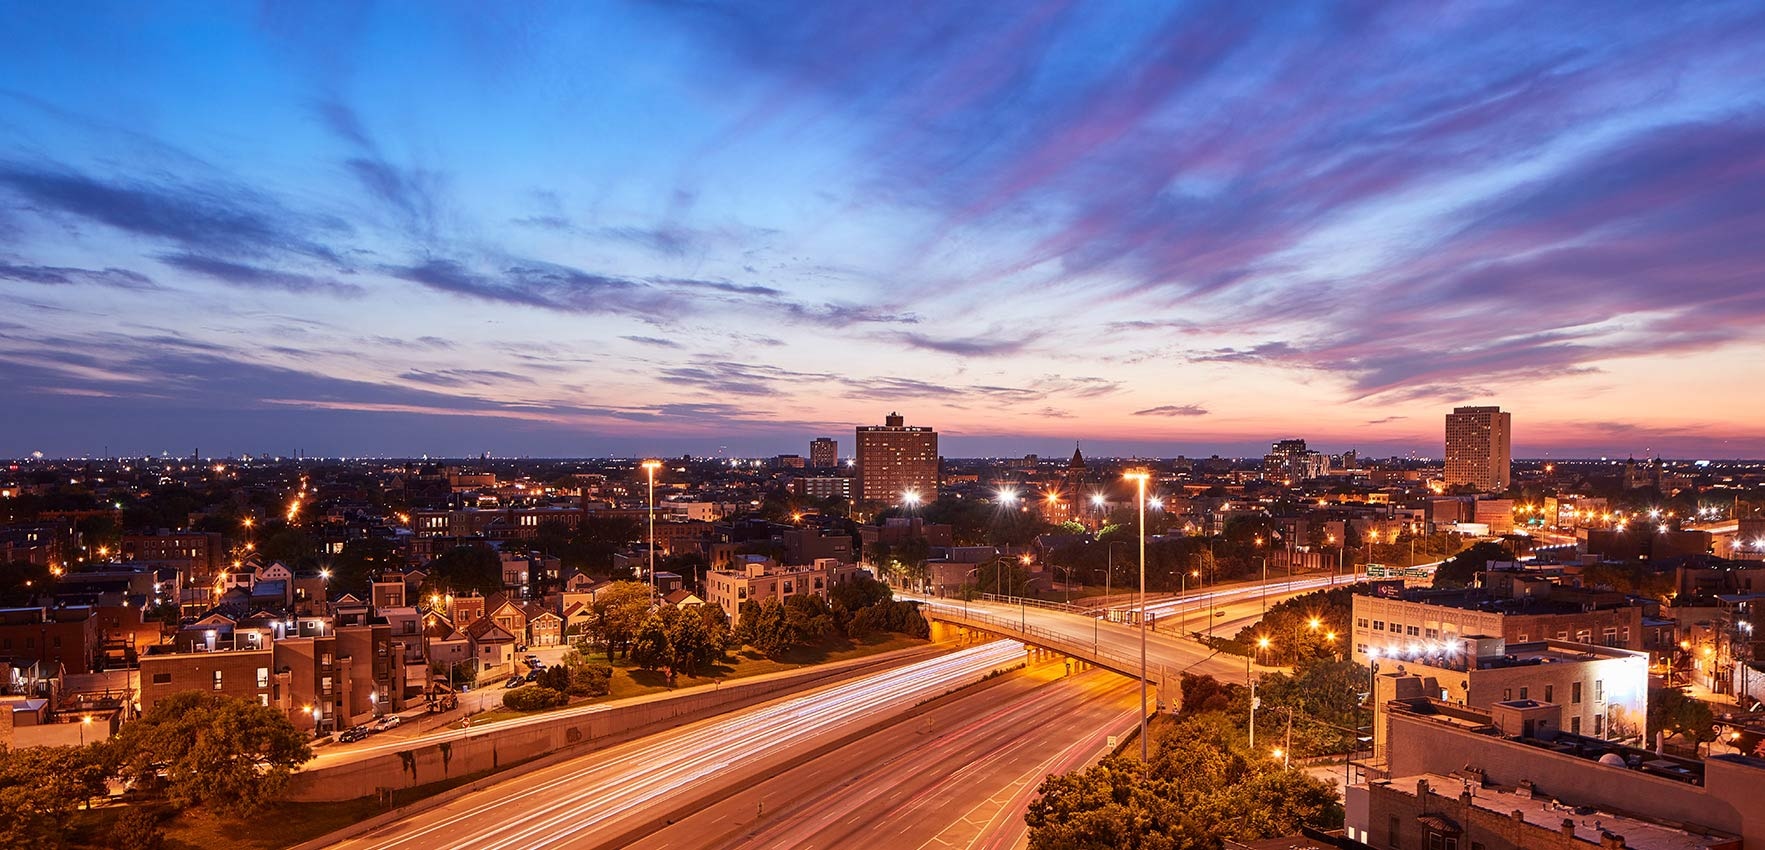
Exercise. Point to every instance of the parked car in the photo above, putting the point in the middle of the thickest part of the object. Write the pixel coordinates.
(532, 674)
(514, 682)
(390, 721)
(532, 661)
(352, 734)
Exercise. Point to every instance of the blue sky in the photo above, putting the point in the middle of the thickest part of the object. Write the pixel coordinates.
(608, 228)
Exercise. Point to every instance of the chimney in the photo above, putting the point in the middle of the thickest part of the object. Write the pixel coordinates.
(1608, 841)
(1568, 828)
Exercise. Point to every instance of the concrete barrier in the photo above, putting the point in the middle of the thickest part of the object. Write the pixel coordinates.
(575, 733)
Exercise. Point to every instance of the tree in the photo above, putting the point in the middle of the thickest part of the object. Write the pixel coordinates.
(1673, 711)
(649, 649)
(40, 787)
(1462, 569)
(807, 618)
(618, 612)
(214, 750)
(689, 647)
(772, 634)
(717, 629)
(474, 567)
(744, 632)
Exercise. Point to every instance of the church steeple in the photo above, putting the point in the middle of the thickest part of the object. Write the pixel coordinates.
(1078, 460)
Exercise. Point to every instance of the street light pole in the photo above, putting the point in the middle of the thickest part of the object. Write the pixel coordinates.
(649, 468)
(1139, 478)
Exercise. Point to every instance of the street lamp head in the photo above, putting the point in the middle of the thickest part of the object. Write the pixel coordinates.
(1140, 476)
(1315, 623)
(1155, 503)
(1007, 496)
(1262, 643)
(1097, 500)
(910, 498)
(651, 466)
(87, 720)
(325, 574)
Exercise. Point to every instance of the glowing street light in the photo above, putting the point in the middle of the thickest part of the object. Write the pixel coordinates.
(910, 498)
(1007, 496)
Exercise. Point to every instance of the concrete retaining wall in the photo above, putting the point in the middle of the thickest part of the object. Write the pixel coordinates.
(500, 744)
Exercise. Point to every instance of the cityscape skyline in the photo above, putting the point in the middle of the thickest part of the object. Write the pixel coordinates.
(1157, 230)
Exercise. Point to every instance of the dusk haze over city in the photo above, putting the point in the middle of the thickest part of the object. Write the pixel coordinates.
(840, 425)
(618, 229)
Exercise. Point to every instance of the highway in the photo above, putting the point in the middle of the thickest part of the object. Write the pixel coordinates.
(613, 796)
(960, 774)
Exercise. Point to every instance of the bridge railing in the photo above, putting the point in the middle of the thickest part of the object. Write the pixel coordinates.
(1034, 603)
(1048, 639)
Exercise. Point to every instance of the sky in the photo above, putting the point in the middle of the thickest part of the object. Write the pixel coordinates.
(609, 229)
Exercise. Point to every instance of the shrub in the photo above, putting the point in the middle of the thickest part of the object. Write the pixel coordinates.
(534, 698)
(137, 828)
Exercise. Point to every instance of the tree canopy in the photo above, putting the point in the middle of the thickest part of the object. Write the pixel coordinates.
(213, 750)
(1201, 786)
(39, 789)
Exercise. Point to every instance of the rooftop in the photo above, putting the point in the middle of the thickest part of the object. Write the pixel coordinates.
(1589, 823)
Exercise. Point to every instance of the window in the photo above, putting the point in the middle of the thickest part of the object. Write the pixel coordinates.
(325, 659)
(1393, 833)
(1413, 631)
(217, 680)
(1584, 635)
(1599, 690)
(1436, 841)
(1575, 693)
(325, 686)
(263, 677)
(1378, 625)
(1522, 638)
(1431, 634)
(1361, 623)
(1575, 725)
(787, 587)
(1599, 725)
(162, 678)
(1522, 693)
(1550, 692)
(1507, 694)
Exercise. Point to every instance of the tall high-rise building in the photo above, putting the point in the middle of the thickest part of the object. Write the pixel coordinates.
(1478, 447)
(824, 453)
(894, 459)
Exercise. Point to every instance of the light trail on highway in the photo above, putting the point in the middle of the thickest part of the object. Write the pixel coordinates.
(592, 801)
(961, 775)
